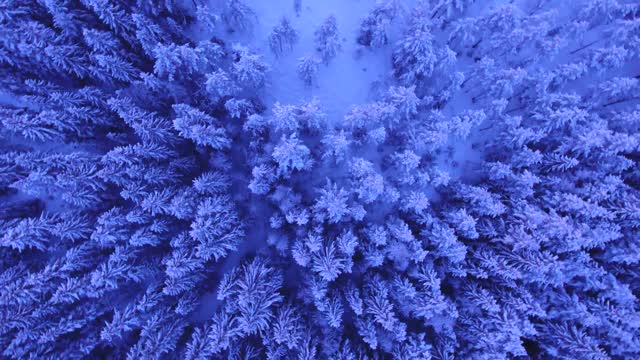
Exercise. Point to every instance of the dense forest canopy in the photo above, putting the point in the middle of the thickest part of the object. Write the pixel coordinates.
(304, 179)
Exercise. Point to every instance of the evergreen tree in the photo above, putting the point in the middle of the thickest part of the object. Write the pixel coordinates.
(282, 37)
(327, 39)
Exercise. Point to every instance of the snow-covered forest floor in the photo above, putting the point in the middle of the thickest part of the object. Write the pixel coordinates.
(351, 78)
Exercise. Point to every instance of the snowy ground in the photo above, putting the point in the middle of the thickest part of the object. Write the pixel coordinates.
(348, 78)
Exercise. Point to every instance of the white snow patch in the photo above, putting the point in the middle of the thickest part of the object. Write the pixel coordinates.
(348, 78)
